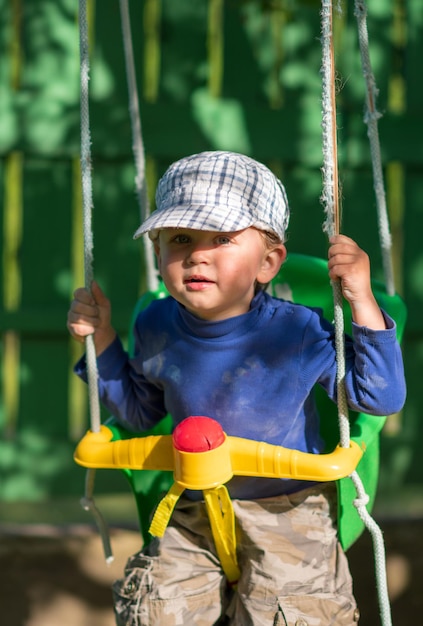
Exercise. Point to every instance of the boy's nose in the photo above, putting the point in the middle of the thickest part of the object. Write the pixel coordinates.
(197, 254)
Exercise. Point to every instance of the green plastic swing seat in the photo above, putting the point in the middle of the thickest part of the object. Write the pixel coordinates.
(302, 279)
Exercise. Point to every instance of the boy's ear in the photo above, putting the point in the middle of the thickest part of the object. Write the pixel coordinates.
(272, 262)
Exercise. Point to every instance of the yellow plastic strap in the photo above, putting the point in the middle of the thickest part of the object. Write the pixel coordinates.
(222, 522)
(164, 510)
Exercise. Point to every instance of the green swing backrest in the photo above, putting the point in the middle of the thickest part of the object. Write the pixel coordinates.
(302, 279)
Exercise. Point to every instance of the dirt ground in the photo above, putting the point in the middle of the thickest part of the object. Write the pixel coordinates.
(57, 576)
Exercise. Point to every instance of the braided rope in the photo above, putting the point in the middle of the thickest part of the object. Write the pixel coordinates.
(87, 502)
(87, 209)
(371, 119)
(331, 226)
(378, 549)
(330, 203)
(137, 143)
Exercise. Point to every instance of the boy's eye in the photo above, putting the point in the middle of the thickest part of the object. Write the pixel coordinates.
(223, 239)
(181, 239)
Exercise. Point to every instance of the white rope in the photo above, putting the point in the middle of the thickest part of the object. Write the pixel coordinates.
(87, 208)
(371, 119)
(378, 550)
(342, 402)
(329, 200)
(87, 502)
(329, 191)
(137, 143)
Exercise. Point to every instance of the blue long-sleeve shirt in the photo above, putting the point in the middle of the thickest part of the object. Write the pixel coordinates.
(253, 373)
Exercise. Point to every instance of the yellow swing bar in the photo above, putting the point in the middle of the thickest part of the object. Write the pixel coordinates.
(204, 470)
(200, 465)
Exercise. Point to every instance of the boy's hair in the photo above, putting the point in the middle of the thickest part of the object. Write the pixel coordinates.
(219, 191)
(270, 239)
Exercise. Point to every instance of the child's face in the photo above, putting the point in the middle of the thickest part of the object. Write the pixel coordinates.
(213, 274)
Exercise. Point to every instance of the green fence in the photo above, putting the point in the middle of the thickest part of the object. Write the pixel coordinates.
(240, 75)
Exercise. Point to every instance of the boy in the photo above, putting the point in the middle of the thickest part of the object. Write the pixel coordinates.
(220, 346)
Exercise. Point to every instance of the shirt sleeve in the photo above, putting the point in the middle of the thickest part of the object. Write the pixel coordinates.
(124, 391)
(374, 373)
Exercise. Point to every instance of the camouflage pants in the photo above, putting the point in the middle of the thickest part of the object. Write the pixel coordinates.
(293, 570)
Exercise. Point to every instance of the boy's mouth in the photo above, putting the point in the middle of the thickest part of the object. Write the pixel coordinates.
(197, 279)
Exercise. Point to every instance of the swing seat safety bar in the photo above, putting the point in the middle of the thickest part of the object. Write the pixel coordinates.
(213, 467)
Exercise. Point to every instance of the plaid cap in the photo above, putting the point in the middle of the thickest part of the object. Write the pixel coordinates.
(218, 191)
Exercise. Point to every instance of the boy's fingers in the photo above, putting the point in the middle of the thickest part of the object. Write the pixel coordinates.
(83, 295)
(91, 298)
(78, 330)
(79, 310)
(98, 294)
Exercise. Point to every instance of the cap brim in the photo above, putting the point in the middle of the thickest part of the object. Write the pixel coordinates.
(197, 218)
